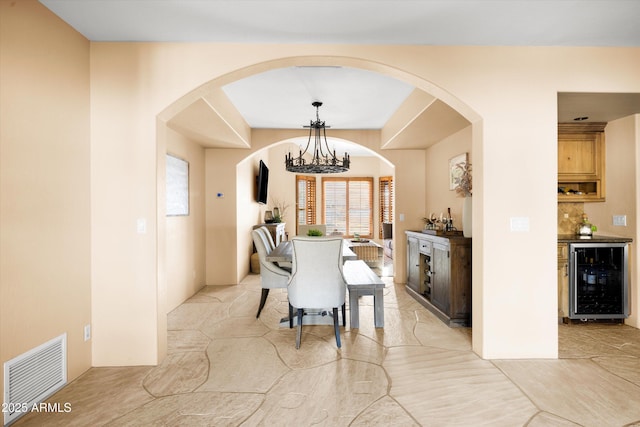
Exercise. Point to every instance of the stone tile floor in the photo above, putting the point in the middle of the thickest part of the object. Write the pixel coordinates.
(227, 368)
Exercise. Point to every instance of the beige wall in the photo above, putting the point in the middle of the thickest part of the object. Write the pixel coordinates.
(126, 304)
(45, 238)
(622, 138)
(248, 211)
(222, 168)
(494, 87)
(439, 197)
(282, 184)
(185, 235)
(509, 94)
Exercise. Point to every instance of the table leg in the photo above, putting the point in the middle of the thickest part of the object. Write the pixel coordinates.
(354, 311)
(378, 308)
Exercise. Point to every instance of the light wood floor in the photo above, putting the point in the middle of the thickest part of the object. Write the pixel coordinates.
(227, 368)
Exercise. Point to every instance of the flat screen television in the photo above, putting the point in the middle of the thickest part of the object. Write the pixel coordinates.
(263, 183)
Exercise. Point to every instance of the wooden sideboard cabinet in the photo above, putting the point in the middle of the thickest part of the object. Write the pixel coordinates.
(439, 275)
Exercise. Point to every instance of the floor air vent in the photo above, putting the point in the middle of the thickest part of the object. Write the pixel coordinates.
(33, 376)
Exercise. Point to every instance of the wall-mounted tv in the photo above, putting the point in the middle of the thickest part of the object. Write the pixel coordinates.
(263, 183)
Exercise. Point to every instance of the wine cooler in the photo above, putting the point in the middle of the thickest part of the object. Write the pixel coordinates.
(598, 281)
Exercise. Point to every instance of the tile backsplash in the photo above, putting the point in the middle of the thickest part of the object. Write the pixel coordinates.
(574, 213)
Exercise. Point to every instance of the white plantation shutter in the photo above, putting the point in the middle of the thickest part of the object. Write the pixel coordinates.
(335, 205)
(305, 200)
(360, 208)
(348, 205)
(386, 200)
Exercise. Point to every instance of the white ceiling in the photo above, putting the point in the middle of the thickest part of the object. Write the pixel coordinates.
(433, 22)
(598, 107)
(358, 99)
(352, 98)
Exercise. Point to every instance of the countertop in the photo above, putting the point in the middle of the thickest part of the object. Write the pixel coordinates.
(440, 235)
(596, 238)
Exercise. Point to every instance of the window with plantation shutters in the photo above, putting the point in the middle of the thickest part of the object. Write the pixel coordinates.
(305, 200)
(386, 200)
(348, 205)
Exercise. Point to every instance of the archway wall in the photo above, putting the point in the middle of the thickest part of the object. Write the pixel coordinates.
(239, 215)
(513, 90)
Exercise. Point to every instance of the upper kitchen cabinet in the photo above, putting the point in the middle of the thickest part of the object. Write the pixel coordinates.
(581, 162)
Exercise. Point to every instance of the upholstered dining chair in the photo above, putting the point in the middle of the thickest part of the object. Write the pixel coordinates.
(316, 279)
(265, 231)
(271, 246)
(271, 276)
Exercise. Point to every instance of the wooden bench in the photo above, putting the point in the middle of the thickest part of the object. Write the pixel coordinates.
(361, 280)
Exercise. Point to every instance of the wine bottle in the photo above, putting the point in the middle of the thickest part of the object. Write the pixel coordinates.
(592, 276)
(602, 274)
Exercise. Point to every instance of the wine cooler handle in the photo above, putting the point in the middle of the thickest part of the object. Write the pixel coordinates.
(574, 285)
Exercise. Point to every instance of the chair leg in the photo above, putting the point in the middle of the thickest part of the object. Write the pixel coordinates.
(263, 299)
(344, 315)
(290, 316)
(299, 333)
(336, 325)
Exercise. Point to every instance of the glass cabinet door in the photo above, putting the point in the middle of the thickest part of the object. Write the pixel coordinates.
(598, 280)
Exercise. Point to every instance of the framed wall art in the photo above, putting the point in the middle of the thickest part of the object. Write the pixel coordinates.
(177, 186)
(455, 172)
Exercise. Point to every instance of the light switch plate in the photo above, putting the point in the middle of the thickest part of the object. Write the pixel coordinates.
(520, 223)
(620, 220)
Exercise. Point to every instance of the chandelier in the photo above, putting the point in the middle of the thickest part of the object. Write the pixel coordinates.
(323, 161)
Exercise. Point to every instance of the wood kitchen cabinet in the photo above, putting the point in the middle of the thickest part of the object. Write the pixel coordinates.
(413, 263)
(581, 162)
(563, 282)
(441, 278)
(439, 275)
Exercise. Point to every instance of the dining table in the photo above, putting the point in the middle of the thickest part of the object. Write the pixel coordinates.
(361, 280)
(284, 252)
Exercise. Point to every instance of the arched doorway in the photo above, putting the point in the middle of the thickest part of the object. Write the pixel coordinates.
(226, 241)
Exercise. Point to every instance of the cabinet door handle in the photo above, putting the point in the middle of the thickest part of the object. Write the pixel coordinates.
(566, 270)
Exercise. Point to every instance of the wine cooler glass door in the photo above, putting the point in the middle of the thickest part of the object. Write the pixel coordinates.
(598, 286)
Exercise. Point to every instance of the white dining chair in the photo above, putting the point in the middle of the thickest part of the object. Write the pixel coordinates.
(316, 279)
(271, 275)
(271, 246)
(267, 235)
